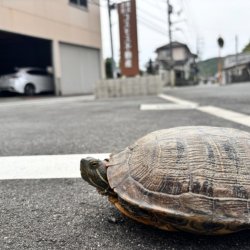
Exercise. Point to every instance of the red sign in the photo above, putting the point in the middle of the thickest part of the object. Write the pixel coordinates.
(128, 38)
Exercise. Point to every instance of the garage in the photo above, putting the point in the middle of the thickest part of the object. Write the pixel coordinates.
(80, 69)
(23, 51)
(79, 66)
(61, 35)
(20, 51)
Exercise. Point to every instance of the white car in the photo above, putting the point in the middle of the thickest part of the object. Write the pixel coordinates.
(28, 81)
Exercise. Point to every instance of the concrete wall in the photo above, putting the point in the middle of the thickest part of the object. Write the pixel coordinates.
(53, 20)
(122, 87)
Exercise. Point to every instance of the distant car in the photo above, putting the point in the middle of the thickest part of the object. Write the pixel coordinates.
(28, 81)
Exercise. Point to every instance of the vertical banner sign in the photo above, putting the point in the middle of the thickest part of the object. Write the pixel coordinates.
(128, 38)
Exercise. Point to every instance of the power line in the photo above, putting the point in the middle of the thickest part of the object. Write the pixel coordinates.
(190, 24)
(155, 18)
(151, 26)
(190, 16)
(150, 22)
(153, 4)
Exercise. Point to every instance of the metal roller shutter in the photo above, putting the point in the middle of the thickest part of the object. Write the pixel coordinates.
(80, 69)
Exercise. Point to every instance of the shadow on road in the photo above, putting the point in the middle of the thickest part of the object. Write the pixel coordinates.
(4, 95)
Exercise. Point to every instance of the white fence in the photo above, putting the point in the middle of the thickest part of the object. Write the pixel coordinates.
(136, 86)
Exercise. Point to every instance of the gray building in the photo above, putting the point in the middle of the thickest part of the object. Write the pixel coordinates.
(184, 62)
(64, 35)
(237, 68)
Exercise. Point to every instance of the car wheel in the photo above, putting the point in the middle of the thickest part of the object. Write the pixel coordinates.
(29, 89)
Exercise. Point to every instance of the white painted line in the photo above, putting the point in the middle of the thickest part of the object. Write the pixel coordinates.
(43, 167)
(165, 106)
(179, 101)
(46, 101)
(219, 112)
(177, 104)
(226, 114)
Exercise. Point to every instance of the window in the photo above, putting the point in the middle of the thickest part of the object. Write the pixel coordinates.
(80, 3)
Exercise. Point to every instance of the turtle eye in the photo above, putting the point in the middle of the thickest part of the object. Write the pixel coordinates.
(94, 164)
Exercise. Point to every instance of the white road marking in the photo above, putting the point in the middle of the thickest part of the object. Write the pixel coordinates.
(44, 166)
(219, 112)
(226, 114)
(178, 104)
(45, 101)
(179, 101)
(165, 106)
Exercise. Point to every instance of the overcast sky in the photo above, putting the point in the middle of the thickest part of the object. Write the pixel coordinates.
(201, 23)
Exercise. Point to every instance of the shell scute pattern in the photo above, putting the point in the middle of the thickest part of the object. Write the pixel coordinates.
(198, 175)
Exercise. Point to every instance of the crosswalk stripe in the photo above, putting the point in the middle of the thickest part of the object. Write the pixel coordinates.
(219, 112)
(165, 106)
(226, 114)
(179, 101)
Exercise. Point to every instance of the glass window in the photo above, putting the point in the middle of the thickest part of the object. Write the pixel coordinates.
(83, 3)
(80, 3)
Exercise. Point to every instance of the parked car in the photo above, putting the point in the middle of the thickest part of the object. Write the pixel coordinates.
(28, 81)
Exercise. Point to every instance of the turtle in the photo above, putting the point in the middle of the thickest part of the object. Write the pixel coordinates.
(192, 178)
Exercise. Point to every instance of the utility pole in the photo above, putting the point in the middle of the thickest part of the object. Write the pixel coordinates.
(110, 7)
(199, 47)
(221, 44)
(172, 76)
(236, 50)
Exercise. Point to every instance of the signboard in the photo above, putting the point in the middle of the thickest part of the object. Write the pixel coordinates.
(128, 38)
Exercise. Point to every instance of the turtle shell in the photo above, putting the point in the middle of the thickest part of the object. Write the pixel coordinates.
(195, 179)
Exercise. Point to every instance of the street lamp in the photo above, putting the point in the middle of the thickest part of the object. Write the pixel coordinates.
(172, 76)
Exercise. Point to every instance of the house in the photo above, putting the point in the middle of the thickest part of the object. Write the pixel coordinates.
(237, 68)
(184, 63)
(64, 35)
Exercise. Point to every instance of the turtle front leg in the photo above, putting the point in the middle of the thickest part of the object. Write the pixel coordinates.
(118, 218)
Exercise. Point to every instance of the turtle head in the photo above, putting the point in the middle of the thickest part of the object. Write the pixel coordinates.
(94, 171)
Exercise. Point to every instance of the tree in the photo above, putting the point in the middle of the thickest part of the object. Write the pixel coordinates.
(108, 68)
(150, 67)
(247, 48)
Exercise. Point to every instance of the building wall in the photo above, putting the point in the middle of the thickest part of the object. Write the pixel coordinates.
(234, 60)
(52, 19)
(163, 55)
(179, 54)
(58, 21)
(184, 71)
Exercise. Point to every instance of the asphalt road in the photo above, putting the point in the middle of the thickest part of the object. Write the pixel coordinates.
(235, 97)
(70, 214)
